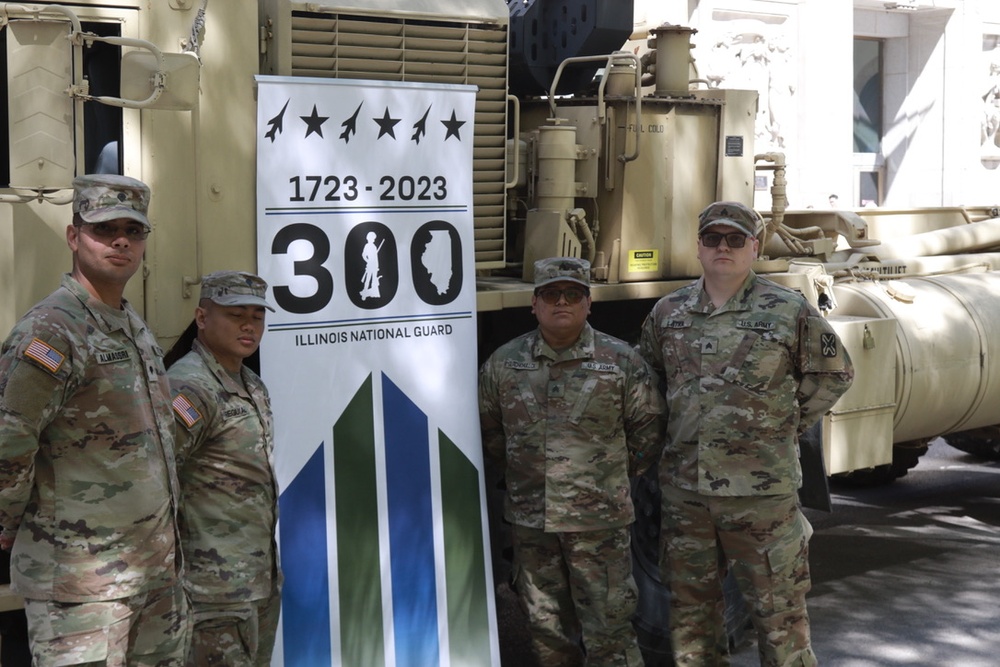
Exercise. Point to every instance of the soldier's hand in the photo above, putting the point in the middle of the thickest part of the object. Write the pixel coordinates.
(7, 539)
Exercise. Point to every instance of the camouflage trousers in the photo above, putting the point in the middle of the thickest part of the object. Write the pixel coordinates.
(238, 634)
(765, 541)
(148, 630)
(577, 587)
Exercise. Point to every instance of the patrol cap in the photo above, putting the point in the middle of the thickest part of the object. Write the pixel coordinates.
(235, 288)
(733, 214)
(556, 269)
(103, 197)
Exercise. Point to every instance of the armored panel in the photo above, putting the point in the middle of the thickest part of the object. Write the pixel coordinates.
(40, 121)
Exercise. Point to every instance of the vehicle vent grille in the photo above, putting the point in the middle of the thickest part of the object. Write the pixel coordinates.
(358, 47)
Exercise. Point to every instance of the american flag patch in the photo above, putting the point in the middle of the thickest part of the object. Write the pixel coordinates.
(187, 412)
(45, 354)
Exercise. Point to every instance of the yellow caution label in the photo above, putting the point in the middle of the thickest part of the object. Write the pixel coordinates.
(643, 260)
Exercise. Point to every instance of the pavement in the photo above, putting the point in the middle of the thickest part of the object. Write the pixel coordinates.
(905, 574)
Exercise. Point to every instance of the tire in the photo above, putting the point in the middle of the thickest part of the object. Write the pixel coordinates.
(983, 443)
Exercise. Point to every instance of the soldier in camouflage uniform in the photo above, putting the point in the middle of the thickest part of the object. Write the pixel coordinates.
(229, 494)
(571, 413)
(88, 480)
(748, 365)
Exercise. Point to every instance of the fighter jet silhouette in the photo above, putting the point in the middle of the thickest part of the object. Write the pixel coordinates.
(420, 127)
(276, 123)
(350, 125)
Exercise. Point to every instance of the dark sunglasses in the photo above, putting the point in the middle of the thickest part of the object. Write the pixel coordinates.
(733, 239)
(105, 230)
(573, 295)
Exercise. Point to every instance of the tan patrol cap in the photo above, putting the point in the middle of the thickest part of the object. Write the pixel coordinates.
(104, 197)
(556, 269)
(733, 214)
(235, 288)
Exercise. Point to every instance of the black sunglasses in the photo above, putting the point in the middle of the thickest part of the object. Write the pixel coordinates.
(733, 239)
(551, 296)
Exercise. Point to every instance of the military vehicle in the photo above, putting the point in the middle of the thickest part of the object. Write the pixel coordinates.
(582, 147)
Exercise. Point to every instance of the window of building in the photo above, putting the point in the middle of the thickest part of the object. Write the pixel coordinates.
(867, 95)
(869, 188)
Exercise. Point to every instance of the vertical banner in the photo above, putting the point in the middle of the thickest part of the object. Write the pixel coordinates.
(365, 236)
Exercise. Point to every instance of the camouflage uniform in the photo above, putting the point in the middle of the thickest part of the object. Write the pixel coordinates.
(570, 426)
(88, 479)
(742, 383)
(228, 508)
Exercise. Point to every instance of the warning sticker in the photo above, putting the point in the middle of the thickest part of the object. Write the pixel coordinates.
(643, 260)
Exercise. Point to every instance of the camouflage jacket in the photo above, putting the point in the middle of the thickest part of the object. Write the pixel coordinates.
(229, 494)
(86, 442)
(742, 382)
(569, 428)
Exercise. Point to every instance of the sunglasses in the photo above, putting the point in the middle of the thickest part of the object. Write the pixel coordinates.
(572, 295)
(105, 230)
(733, 239)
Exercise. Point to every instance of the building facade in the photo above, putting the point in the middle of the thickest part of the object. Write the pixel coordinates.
(881, 103)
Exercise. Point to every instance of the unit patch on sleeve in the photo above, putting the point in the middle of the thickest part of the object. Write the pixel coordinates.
(186, 411)
(828, 344)
(46, 355)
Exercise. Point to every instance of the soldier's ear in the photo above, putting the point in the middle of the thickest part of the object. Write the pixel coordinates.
(199, 317)
(72, 237)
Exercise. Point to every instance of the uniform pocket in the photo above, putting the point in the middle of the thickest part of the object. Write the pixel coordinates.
(758, 363)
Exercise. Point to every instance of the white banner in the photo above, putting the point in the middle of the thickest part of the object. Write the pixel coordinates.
(365, 236)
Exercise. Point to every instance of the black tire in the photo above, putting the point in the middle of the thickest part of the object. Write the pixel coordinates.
(982, 443)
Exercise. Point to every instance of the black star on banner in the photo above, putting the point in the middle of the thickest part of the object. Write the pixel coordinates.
(314, 122)
(276, 124)
(386, 124)
(420, 127)
(453, 126)
(351, 125)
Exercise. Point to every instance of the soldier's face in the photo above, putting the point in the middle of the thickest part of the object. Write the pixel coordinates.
(723, 261)
(561, 319)
(111, 257)
(232, 333)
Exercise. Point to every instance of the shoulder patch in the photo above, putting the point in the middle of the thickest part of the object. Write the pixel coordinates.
(186, 411)
(829, 345)
(50, 358)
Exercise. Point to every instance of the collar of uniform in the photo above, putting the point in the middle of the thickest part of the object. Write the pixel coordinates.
(109, 318)
(220, 373)
(699, 302)
(583, 348)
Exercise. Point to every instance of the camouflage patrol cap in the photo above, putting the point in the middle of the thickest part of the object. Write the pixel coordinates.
(556, 269)
(733, 214)
(103, 197)
(235, 288)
